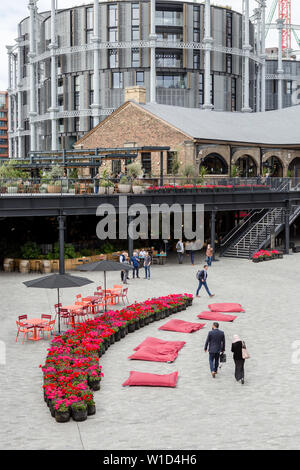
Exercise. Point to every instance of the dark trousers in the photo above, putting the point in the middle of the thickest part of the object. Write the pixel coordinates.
(180, 257)
(209, 260)
(205, 285)
(239, 369)
(214, 361)
(135, 271)
(192, 255)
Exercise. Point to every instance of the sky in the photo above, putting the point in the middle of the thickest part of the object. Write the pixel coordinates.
(14, 13)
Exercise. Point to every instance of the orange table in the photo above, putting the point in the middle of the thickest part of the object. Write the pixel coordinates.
(73, 309)
(35, 322)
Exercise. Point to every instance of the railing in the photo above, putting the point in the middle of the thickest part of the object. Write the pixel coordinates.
(264, 235)
(149, 185)
(236, 231)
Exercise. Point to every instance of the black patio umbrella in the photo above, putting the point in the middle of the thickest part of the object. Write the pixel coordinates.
(105, 266)
(58, 281)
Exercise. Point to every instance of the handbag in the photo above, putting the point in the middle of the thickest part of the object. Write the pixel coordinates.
(222, 357)
(245, 354)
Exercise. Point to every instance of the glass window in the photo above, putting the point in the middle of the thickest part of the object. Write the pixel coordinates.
(113, 15)
(135, 58)
(197, 60)
(228, 63)
(169, 59)
(90, 18)
(135, 33)
(113, 34)
(288, 89)
(113, 58)
(201, 89)
(233, 94)
(171, 80)
(140, 78)
(3, 123)
(146, 162)
(117, 80)
(135, 14)
(170, 158)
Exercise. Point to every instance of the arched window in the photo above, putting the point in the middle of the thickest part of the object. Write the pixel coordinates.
(247, 165)
(275, 167)
(294, 167)
(215, 164)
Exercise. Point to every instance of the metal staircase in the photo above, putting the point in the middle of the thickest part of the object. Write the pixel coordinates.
(255, 232)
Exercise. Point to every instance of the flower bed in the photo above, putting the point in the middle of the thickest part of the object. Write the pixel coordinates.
(201, 187)
(72, 371)
(264, 255)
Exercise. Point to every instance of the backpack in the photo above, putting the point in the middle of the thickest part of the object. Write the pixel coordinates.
(200, 275)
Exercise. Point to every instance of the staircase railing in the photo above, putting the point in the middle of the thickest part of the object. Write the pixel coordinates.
(236, 231)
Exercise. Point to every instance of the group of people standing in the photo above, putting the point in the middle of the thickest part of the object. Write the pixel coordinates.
(215, 344)
(189, 248)
(138, 261)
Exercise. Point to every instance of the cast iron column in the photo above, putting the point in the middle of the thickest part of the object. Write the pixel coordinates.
(61, 228)
(213, 231)
(287, 231)
(130, 240)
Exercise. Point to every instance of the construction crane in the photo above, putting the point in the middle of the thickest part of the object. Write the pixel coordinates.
(284, 12)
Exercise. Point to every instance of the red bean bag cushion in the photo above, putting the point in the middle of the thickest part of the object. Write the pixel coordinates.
(215, 316)
(148, 353)
(181, 326)
(161, 345)
(227, 307)
(152, 380)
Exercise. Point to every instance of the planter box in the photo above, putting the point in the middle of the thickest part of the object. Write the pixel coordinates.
(12, 189)
(137, 189)
(52, 188)
(124, 188)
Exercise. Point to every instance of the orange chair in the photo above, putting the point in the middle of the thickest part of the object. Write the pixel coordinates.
(123, 295)
(22, 328)
(48, 327)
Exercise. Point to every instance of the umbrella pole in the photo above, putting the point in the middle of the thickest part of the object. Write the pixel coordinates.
(58, 311)
(105, 291)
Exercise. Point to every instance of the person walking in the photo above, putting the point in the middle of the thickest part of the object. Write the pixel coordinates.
(215, 343)
(124, 273)
(209, 255)
(136, 265)
(147, 264)
(180, 251)
(189, 248)
(202, 277)
(237, 350)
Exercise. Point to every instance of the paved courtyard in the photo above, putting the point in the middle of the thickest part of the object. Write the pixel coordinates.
(201, 413)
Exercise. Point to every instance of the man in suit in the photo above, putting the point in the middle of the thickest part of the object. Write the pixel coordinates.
(202, 276)
(216, 343)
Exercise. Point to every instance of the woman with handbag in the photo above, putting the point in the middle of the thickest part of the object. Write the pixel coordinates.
(240, 353)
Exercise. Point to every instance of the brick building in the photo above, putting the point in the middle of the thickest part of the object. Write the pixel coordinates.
(216, 140)
(4, 124)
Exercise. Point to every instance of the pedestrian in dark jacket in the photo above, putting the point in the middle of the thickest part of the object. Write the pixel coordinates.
(237, 349)
(215, 343)
(136, 265)
(202, 277)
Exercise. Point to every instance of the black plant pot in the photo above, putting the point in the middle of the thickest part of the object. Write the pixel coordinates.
(142, 322)
(157, 316)
(62, 417)
(152, 318)
(52, 409)
(137, 324)
(122, 333)
(94, 385)
(91, 410)
(147, 320)
(112, 339)
(79, 415)
(117, 335)
(131, 327)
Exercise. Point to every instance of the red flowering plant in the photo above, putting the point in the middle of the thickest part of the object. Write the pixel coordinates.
(72, 364)
(262, 255)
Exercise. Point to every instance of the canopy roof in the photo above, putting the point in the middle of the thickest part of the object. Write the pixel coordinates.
(279, 127)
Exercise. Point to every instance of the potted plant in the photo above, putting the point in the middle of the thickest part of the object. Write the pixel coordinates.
(135, 172)
(79, 411)
(106, 186)
(12, 188)
(137, 186)
(94, 381)
(62, 413)
(124, 185)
